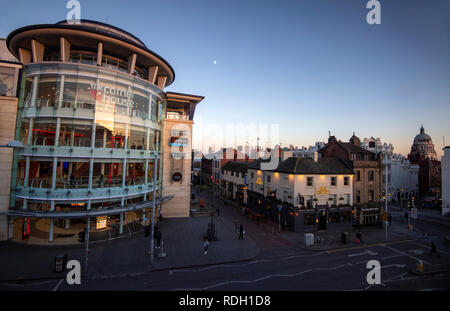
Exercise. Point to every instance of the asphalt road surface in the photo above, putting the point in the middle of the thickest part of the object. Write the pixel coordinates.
(328, 270)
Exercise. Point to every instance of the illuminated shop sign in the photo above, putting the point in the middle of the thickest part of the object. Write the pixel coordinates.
(176, 176)
(179, 142)
(112, 96)
(323, 190)
(102, 222)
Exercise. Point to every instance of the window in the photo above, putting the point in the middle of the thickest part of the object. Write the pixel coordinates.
(358, 196)
(309, 181)
(371, 144)
(358, 175)
(7, 76)
(268, 178)
(371, 175)
(333, 181)
(253, 175)
(346, 181)
(232, 173)
(371, 195)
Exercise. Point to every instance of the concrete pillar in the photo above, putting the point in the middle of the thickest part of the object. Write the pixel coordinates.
(126, 136)
(50, 231)
(121, 223)
(34, 91)
(162, 82)
(99, 54)
(37, 51)
(132, 63)
(24, 56)
(124, 172)
(64, 47)
(152, 74)
(10, 228)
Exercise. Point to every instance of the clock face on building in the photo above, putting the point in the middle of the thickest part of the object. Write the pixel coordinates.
(176, 176)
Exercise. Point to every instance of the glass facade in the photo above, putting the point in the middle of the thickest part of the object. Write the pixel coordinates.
(89, 133)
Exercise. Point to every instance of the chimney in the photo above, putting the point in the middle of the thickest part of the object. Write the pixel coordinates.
(316, 156)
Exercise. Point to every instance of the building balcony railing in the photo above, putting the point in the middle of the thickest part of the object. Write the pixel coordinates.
(83, 194)
(85, 152)
(81, 182)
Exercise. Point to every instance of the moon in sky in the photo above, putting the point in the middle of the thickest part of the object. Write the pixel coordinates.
(215, 62)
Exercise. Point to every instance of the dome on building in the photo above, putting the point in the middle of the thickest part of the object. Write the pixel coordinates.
(422, 147)
(422, 137)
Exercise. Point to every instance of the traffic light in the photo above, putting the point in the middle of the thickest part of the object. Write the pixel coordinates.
(82, 236)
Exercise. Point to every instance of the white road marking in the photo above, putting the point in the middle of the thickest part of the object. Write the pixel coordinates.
(277, 275)
(368, 252)
(393, 256)
(400, 252)
(57, 285)
(429, 247)
(416, 251)
(245, 264)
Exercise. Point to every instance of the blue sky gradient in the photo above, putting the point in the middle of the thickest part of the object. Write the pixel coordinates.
(311, 66)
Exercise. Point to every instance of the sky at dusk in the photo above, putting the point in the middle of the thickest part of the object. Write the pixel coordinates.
(310, 66)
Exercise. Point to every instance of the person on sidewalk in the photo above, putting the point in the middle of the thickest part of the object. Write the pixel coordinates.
(390, 219)
(205, 246)
(359, 237)
(433, 250)
(241, 232)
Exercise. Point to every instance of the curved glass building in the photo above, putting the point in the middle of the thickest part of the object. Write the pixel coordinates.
(90, 115)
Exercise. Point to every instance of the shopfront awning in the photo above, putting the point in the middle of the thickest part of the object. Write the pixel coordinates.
(113, 210)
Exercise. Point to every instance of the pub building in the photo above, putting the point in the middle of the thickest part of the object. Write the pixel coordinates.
(302, 194)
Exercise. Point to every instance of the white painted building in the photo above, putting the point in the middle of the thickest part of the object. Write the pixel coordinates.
(233, 183)
(304, 182)
(402, 176)
(445, 171)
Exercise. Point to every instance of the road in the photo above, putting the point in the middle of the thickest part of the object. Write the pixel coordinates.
(328, 270)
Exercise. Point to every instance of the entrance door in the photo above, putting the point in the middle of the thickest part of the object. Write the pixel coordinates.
(322, 224)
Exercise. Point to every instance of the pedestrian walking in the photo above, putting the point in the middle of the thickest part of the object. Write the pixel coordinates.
(100, 180)
(390, 219)
(205, 246)
(433, 250)
(359, 237)
(241, 232)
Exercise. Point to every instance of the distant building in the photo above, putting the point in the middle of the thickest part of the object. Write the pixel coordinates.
(446, 181)
(367, 166)
(304, 152)
(233, 183)
(424, 154)
(402, 175)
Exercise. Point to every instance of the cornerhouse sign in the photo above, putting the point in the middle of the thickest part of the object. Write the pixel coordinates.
(112, 96)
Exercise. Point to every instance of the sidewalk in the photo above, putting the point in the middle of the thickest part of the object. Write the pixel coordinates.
(271, 243)
(183, 245)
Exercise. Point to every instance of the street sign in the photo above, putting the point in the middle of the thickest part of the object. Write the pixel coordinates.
(280, 207)
(414, 213)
